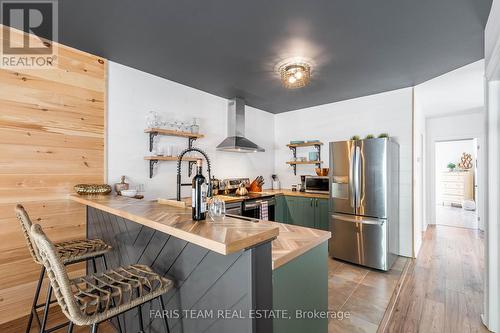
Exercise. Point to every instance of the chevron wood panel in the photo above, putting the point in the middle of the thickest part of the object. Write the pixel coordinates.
(294, 241)
(204, 280)
(51, 138)
(225, 236)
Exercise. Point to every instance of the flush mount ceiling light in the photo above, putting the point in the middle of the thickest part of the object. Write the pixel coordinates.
(295, 75)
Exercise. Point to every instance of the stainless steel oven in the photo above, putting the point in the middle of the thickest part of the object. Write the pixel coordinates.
(252, 207)
(317, 184)
(233, 208)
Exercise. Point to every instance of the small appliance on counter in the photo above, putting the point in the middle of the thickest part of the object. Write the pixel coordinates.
(316, 184)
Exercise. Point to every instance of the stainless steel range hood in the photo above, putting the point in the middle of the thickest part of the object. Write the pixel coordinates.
(236, 141)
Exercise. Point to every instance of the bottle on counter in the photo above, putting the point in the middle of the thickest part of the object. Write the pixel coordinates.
(199, 194)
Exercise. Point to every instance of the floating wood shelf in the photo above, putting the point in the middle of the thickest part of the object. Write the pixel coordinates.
(293, 147)
(153, 132)
(155, 159)
(304, 162)
(168, 132)
(305, 144)
(169, 158)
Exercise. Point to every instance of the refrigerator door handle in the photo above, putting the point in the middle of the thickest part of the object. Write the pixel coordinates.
(358, 219)
(357, 172)
(352, 185)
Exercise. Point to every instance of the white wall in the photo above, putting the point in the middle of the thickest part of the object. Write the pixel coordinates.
(458, 93)
(389, 112)
(419, 192)
(132, 94)
(492, 276)
(450, 152)
(461, 126)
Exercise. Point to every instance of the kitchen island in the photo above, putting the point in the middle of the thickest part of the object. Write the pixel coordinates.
(223, 271)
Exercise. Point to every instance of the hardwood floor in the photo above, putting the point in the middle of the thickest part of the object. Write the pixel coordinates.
(55, 317)
(456, 217)
(443, 291)
(361, 292)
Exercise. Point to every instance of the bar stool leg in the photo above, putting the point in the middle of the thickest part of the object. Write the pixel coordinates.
(94, 265)
(35, 298)
(70, 327)
(104, 262)
(46, 310)
(112, 300)
(141, 324)
(162, 305)
(94, 328)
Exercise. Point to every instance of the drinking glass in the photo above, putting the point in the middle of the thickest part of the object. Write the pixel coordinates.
(178, 125)
(195, 128)
(152, 119)
(216, 208)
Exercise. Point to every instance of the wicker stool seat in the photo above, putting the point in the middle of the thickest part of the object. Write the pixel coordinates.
(81, 249)
(97, 297)
(70, 252)
(103, 296)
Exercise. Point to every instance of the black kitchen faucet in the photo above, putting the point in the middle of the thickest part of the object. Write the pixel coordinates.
(179, 183)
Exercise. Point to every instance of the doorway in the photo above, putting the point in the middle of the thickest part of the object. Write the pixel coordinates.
(456, 183)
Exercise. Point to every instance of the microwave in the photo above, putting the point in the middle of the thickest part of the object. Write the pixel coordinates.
(317, 184)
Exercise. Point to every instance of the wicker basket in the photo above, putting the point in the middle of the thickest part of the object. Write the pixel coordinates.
(92, 189)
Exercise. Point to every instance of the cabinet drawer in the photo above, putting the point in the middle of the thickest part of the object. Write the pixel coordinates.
(453, 185)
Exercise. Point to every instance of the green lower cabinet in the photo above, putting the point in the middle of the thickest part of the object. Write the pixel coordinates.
(280, 210)
(322, 220)
(301, 294)
(308, 212)
(294, 205)
(303, 211)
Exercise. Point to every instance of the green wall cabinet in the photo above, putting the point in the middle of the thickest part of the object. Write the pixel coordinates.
(303, 211)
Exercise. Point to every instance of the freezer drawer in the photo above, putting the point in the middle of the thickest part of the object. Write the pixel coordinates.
(360, 240)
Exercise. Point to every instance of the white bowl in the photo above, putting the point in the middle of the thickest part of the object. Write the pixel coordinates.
(129, 193)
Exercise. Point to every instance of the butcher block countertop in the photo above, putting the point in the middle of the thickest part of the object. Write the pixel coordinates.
(227, 236)
(289, 192)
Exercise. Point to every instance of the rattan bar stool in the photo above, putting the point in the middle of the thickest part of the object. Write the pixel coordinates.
(69, 252)
(92, 299)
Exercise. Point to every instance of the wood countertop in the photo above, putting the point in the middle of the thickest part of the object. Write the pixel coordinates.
(297, 193)
(225, 237)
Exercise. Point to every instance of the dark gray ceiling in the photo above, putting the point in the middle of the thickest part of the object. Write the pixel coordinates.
(230, 48)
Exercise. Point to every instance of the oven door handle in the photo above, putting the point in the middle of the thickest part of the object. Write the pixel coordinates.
(256, 204)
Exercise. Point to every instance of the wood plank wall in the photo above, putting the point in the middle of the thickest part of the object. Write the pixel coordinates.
(52, 136)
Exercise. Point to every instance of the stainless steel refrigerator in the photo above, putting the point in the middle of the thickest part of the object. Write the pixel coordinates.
(364, 202)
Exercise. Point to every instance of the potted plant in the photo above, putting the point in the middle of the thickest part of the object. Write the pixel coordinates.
(451, 166)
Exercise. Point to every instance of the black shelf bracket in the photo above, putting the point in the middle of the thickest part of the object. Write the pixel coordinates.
(191, 140)
(152, 136)
(294, 152)
(152, 164)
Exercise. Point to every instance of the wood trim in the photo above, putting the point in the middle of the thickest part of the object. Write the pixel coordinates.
(410, 263)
